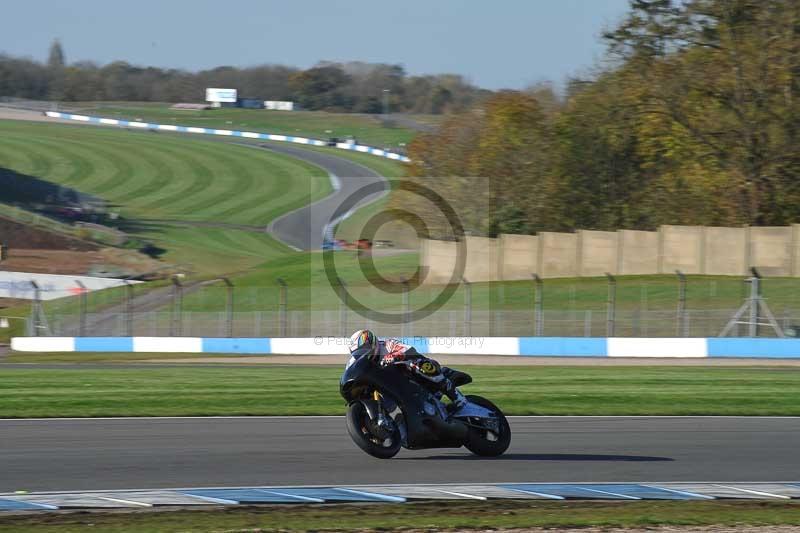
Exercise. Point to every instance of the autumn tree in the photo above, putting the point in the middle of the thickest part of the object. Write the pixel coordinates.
(723, 76)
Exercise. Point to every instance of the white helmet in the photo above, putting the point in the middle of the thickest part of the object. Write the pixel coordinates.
(364, 340)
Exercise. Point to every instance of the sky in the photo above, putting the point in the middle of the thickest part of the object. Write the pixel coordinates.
(494, 44)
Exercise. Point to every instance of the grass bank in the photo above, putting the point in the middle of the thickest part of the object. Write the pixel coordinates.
(194, 199)
(315, 124)
(296, 390)
(422, 516)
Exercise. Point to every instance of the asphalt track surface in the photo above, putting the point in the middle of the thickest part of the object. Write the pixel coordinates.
(304, 228)
(104, 454)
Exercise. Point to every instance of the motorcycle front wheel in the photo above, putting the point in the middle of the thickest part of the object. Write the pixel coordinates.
(488, 443)
(359, 426)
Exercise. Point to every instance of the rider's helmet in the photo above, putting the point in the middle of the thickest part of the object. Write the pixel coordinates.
(363, 342)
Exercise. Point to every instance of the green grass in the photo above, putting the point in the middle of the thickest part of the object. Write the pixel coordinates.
(305, 390)
(305, 273)
(187, 180)
(150, 178)
(430, 516)
(315, 124)
(309, 287)
(385, 167)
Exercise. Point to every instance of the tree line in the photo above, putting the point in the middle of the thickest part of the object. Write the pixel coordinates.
(349, 87)
(695, 119)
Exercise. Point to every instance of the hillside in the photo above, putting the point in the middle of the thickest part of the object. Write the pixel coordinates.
(201, 204)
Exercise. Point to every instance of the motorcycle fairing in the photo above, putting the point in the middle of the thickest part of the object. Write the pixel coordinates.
(470, 409)
(422, 429)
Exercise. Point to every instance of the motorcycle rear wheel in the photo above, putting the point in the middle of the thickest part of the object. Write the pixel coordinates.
(484, 442)
(358, 424)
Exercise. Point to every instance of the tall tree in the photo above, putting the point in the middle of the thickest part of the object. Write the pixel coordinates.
(726, 75)
(56, 59)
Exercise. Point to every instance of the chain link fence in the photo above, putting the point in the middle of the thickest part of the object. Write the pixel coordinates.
(677, 306)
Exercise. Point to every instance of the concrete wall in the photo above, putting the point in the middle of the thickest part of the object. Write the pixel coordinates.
(775, 251)
(681, 248)
(438, 260)
(796, 250)
(481, 259)
(637, 253)
(558, 255)
(770, 250)
(517, 256)
(725, 251)
(597, 252)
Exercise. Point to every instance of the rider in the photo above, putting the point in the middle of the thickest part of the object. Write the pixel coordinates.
(393, 352)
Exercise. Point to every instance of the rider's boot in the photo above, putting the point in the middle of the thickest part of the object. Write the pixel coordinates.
(457, 399)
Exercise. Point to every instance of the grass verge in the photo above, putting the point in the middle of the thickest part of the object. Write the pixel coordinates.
(315, 124)
(421, 516)
(313, 390)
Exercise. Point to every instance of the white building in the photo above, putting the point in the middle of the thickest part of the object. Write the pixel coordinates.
(278, 105)
(222, 97)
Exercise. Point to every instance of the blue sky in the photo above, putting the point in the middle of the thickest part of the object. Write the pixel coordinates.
(499, 44)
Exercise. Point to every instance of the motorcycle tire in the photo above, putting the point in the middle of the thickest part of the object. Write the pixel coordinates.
(479, 441)
(358, 428)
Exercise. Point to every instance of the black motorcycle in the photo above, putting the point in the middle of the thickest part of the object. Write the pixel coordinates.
(388, 409)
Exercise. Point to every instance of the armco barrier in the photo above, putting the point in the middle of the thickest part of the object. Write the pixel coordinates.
(515, 346)
(226, 133)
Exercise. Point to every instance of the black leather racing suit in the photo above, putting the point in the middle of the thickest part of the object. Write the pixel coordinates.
(425, 369)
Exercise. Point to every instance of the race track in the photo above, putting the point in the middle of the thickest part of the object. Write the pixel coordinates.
(86, 454)
(303, 228)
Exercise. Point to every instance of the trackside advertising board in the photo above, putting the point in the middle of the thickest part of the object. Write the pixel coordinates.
(214, 94)
(51, 286)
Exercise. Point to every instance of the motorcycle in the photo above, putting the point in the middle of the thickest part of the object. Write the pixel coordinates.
(387, 409)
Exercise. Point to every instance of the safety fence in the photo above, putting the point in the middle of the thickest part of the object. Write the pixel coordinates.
(594, 307)
(697, 323)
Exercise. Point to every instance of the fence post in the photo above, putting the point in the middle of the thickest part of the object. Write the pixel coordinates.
(611, 308)
(538, 311)
(128, 308)
(343, 306)
(228, 307)
(282, 303)
(36, 310)
(755, 298)
(492, 301)
(409, 329)
(681, 329)
(84, 304)
(467, 307)
(177, 308)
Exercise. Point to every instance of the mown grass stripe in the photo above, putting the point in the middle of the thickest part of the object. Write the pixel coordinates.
(203, 178)
(169, 177)
(82, 172)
